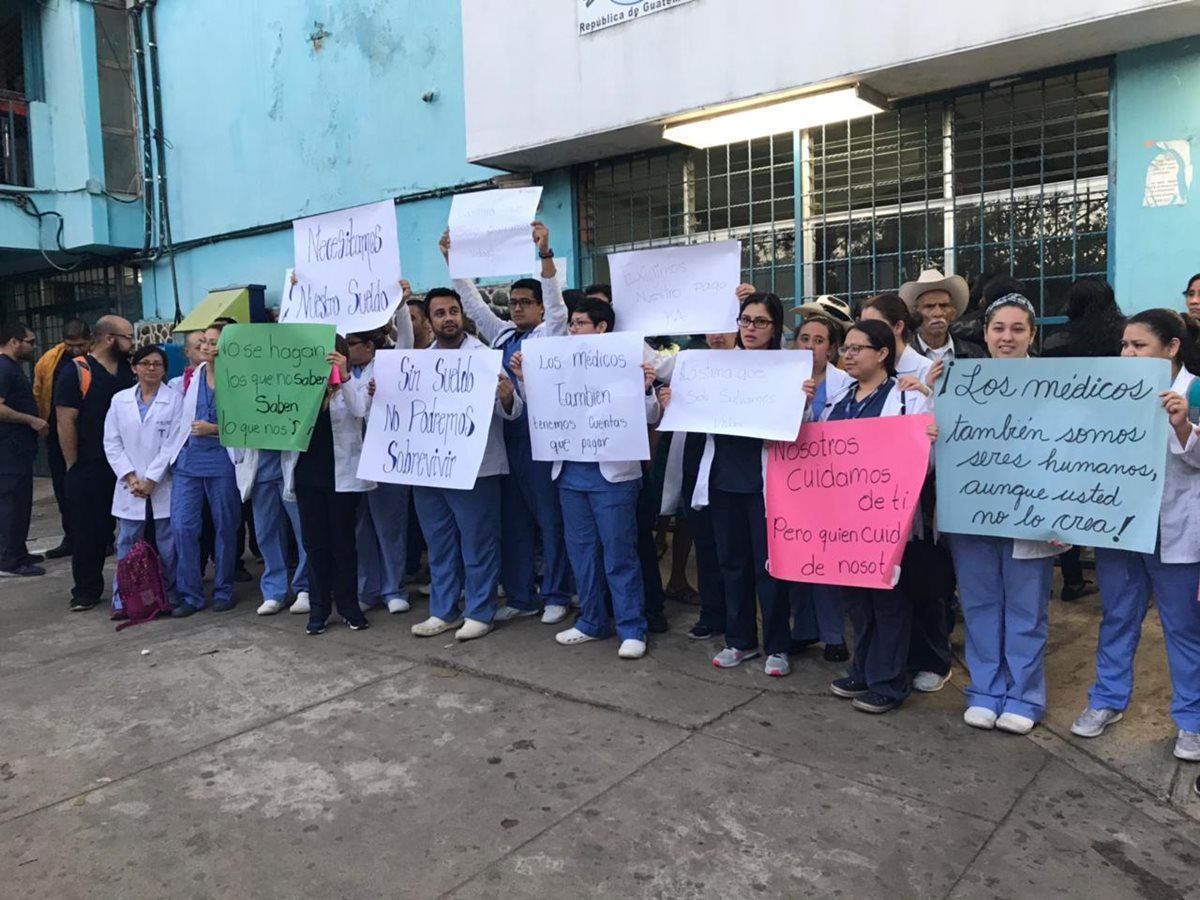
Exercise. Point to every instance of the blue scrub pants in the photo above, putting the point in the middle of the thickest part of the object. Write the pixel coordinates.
(129, 532)
(740, 528)
(601, 536)
(708, 570)
(882, 623)
(462, 531)
(529, 504)
(188, 494)
(1005, 605)
(382, 536)
(818, 613)
(272, 517)
(1126, 582)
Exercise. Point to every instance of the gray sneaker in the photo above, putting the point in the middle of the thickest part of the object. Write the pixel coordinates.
(777, 665)
(1093, 722)
(1187, 746)
(729, 657)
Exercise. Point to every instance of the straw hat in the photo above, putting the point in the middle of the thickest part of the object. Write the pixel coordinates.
(933, 280)
(827, 305)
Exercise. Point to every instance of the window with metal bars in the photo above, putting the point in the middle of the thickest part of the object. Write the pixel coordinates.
(114, 66)
(1007, 178)
(46, 302)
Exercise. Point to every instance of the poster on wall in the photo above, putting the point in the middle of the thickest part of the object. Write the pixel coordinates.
(596, 15)
(1169, 173)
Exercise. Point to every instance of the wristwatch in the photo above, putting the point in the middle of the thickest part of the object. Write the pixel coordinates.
(549, 254)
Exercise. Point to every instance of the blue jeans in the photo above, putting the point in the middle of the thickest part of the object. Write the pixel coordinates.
(601, 537)
(129, 532)
(529, 505)
(1126, 582)
(1005, 605)
(462, 531)
(382, 536)
(272, 518)
(188, 494)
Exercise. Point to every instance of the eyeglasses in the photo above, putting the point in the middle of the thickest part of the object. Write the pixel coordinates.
(30, 341)
(150, 364)
(519, 304)
(355, 343)
(855, 349)
(757, 323)
(128, 337)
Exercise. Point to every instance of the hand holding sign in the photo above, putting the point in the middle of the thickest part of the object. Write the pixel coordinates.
(491, 232)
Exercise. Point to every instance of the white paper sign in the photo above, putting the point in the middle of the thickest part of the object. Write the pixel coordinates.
(677, 290)
(587, 398)
(347, 269)
(490, 232)
(430, 416)
(748, 393)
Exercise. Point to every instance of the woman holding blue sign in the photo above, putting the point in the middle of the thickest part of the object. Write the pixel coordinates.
(1172, 571)
(877, 678)
(1004, 583)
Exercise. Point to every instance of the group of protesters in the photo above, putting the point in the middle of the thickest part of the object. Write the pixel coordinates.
(535, 539)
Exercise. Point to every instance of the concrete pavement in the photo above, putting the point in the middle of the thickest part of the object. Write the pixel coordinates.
(232, 756)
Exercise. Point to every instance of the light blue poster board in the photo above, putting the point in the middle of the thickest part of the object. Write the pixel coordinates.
(1053, 449)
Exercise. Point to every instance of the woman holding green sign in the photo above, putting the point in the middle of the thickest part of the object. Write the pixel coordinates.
(1004, 583)
(1172, 571)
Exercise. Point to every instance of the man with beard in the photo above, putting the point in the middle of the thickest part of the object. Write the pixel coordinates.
(462, 527)
(82, 395)
(936, 302)
(20, 427)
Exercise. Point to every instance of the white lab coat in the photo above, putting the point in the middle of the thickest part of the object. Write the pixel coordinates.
(142, 447)
(1179, 518)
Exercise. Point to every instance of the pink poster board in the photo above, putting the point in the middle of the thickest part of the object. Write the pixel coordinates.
(841, 500)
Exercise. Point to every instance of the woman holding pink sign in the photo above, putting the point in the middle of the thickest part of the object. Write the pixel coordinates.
(877, 677)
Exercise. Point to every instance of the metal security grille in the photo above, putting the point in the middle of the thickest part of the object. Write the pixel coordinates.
(45, 303)
(1008, 178)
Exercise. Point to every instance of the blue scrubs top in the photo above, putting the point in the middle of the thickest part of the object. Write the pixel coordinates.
(204, 457)
(869, 407)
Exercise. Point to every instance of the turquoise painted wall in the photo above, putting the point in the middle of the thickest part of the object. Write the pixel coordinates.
(1155, 240)
(277, 109)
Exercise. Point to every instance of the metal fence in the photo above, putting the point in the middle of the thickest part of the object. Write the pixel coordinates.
(1008, 177)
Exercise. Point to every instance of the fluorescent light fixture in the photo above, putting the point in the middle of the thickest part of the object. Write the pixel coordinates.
(777, 116)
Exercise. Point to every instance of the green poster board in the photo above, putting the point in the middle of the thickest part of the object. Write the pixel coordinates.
(270, 383)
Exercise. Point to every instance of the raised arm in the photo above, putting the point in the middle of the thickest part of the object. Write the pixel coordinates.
(489, 324)
(404, 329)
(555, 319)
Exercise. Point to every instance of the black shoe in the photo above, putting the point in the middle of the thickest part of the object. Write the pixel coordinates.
(241, 575)
(836, 653)
(81, 604)
(359, 626)
(224, 606)
(849, 689)
(118, 616)
(34, 558)
(872, 702)
(62, 551)
(701, 632)
(656, 623)
(183, 610)
(315, 628)
(687, 596)
(24, 570)
(799, 646)
(1075, 591)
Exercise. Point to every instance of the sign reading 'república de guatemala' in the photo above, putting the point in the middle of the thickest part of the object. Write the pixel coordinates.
(1053, 449)
(596, 15)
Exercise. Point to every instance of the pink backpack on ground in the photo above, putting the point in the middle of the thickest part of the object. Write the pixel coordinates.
(140, 581)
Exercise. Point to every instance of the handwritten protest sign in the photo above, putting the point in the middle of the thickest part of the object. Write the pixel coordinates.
(490, 232)
(586, 397)
(430, 417)
(841, 500)
(754, 393)
(347, 269)
(1070, 449)
(270, 383)
(677, 290)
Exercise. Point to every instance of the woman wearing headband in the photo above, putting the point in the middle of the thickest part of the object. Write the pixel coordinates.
(1172, 571)
(1004, 583)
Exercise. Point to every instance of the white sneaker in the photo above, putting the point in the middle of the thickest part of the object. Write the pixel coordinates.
(300, 606)
(728, 658)
(553, 614)
(631, 648)
(471, 629)
(269, 608)
(1092, 722)
(980, 717)
(433, 626)
(777, 665)
(398, 605)
(572, 636)
(508, 613)
(1015, 724)
(1187, 746)
(929, 682)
